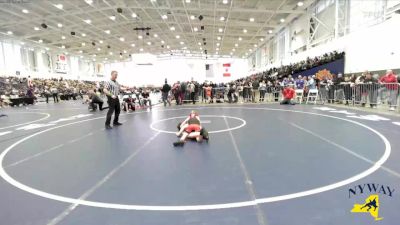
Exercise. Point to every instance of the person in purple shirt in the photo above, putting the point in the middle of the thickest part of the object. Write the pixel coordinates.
(300, 83)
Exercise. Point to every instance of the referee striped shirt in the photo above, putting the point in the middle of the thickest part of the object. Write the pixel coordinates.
(113, 87)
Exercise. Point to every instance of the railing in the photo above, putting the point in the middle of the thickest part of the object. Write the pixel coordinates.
(362, 94)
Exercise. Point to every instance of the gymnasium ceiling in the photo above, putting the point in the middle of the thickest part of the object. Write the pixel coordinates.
(231, 27)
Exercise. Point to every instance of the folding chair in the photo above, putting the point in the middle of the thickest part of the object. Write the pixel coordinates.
(312, 96)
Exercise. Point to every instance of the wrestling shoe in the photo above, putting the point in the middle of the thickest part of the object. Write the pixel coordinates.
(108, 127)
(178, 144)
(117, 124)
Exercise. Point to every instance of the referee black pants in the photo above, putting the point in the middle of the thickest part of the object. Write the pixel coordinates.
(114, 106)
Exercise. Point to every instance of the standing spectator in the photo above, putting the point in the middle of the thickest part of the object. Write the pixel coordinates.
(255, 91)
(182, 93)
(54, 92)
(208, 91)
(176, 91)
(191, 90)
(165, 92)
(371, 87)
(390, 81)
(263, 90)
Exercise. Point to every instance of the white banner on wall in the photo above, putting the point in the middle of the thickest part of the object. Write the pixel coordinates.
(100, 70)
(61, 65)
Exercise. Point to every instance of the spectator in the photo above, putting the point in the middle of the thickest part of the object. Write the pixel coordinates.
(390, 81)
(263, 90)
(165, 93)
(288, 94)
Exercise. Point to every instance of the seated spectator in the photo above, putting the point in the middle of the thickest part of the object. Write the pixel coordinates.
(288, 95)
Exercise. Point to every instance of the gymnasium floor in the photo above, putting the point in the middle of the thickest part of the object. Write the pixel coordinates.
(264, 164)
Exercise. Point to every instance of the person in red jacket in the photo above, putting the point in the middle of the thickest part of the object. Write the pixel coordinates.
(390, 82)
(288, 94)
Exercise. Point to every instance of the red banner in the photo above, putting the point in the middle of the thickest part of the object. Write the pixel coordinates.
(226, 72)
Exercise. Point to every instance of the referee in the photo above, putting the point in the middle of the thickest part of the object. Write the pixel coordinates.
(111, 89)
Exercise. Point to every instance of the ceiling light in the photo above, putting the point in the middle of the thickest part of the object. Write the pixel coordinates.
(9, 32)
(149, 43)
(83, 43)
(59, 6)
(199, 43)
(236, 45)
(155, 35)
(187, 1)
(141, 49)
(162, 42)
(40, 41)
(282, 20)
(244, 31)
(250, 50)
(59, 25)
(122, 39)
(107, 31)
(89, 2)
(233, 50)
(81, 51)
(133, 45)
(192, 17)
(195, 29)
(106, 58)
(216, 53)
(261, 39)
(251, 19)
(134, 15)
(218, 44)
(231, 53)
(182, 43)
(140, 37)
(217, 49)
(63, 46)
(25, 11)
(225, 1)
(240, 39)
(172, 28)
(300, 4)
(125, 51)
(81, 56)
(100, 41)
(270, 31)
(98, 49)
(110, 53)
(177, 36)
(255, 46)
(63, 37)
(222, 18)
(88, 21)
(66, 53)
(36, 28)
(47, 49)
(201, 48)
(112, 17)
(218, 38)
(83, 35)
(22, 43)
(164, 17)
(220, 30)
(168, 46)
(120, 56)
